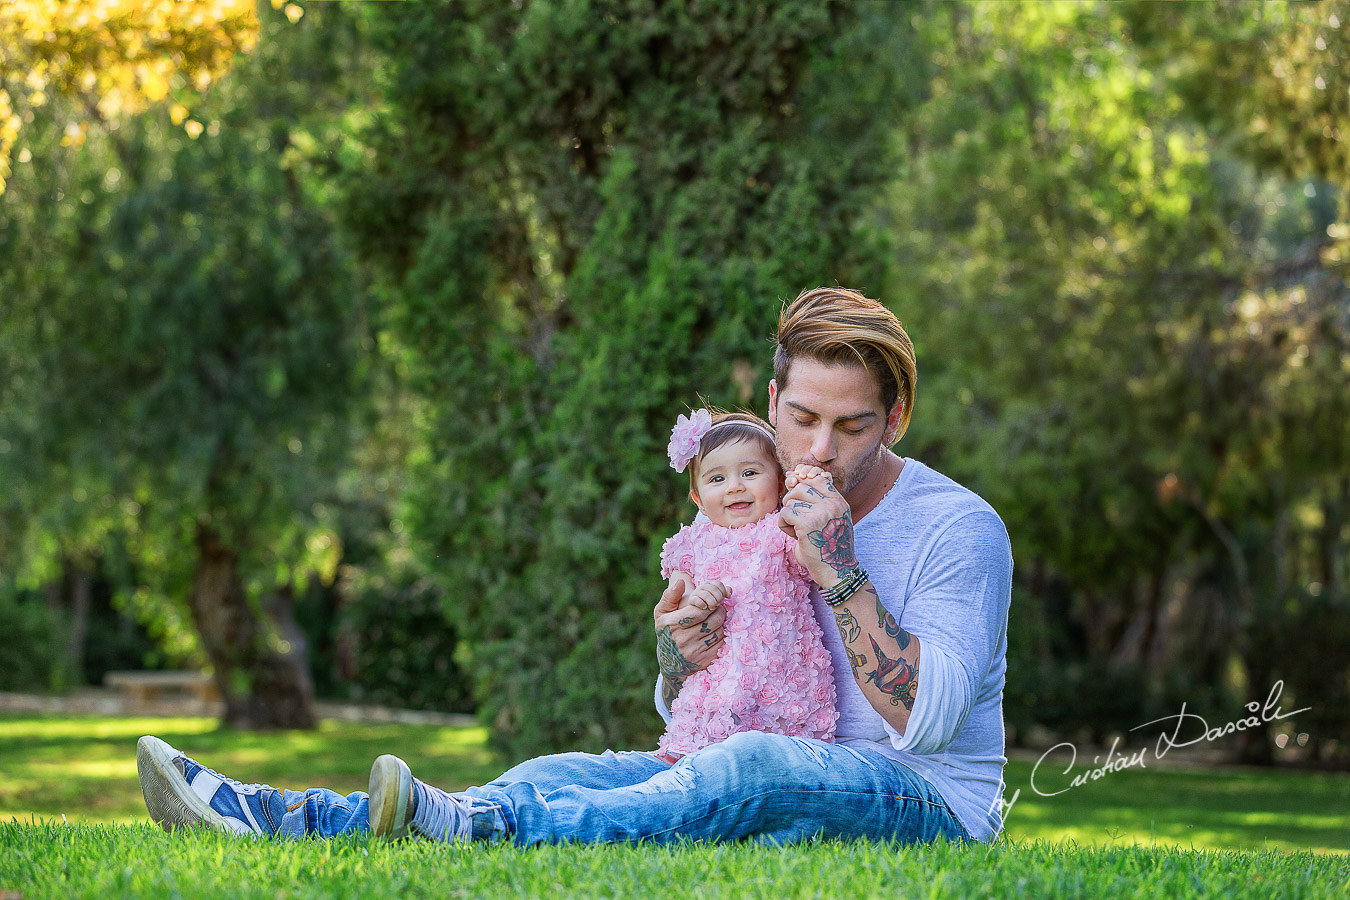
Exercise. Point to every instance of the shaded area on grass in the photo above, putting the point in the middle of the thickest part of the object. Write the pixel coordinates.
(85, 768)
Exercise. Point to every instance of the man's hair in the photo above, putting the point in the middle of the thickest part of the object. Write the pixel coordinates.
(837, 326)
(740, 426)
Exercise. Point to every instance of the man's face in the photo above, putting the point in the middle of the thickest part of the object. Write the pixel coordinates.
(831, 416)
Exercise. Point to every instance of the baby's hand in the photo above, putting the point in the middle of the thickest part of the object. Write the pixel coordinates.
(823, 480)
(708, 595)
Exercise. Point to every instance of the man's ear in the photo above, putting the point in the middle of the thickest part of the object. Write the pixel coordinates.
(773, 402)
(893, 423)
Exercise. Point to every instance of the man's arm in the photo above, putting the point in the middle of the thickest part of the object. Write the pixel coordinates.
(688, 631)
(960, 603)
(884, 658)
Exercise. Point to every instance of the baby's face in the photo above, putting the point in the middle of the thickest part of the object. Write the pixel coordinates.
(738, 484)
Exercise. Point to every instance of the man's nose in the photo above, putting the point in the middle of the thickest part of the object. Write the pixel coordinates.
(822, 447)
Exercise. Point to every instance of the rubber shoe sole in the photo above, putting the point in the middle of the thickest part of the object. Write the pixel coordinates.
(390, 797)
(169, 798)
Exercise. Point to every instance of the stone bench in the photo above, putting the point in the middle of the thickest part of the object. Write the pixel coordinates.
(148, 687)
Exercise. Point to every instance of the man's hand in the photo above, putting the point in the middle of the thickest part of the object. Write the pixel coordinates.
(818, 516)
(688, 630)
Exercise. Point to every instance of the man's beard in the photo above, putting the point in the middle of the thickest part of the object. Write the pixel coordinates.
(849, 479)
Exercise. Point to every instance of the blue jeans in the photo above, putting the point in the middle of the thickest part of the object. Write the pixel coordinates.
(763, 787)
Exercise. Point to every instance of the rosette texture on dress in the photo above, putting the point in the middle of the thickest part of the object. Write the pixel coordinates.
(772, 673)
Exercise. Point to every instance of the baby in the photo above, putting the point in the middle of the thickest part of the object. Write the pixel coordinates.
(772, 672)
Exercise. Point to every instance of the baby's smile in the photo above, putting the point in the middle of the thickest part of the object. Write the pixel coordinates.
(738, 484)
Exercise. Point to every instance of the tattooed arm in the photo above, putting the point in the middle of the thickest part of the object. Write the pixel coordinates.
(688, 625)
(884, 658)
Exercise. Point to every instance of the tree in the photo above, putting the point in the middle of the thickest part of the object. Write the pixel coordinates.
(190, 345)
(582, 226)
(1290, 117)
(1116, 315)
(111, 58)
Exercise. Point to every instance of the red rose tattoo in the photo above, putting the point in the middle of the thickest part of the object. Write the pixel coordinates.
(835, 541)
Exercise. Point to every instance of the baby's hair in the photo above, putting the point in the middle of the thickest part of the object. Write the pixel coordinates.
(740, 426)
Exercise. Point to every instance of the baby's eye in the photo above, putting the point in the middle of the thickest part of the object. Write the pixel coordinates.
(715, 479)
(749, 473)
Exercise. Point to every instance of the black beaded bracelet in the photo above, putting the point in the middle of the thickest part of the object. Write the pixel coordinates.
(845, 588)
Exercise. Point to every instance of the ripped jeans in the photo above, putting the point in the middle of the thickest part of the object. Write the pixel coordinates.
(763, 787)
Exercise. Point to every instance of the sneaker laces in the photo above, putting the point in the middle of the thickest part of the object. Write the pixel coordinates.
(227, 779)
(442, 817)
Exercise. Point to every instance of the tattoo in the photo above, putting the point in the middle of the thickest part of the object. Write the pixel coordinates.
(799, 505)
(812, 492)
(855, 660)
(894, 677)
(703, 627)
(674, 667)
(835, 541)
(687, 620)
(887, 621)
(712, 639)
(849, 629)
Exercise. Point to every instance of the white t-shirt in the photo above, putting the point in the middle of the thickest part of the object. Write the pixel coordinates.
(941, 562)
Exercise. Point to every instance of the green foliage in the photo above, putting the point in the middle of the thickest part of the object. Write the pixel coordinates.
(32, 658)
(1311, 637)
(589, 240)
(186, 345)
(385, 641)
(417, 308)
(1268, 74)
(1117, 318)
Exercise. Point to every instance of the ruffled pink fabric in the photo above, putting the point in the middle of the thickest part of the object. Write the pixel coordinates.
(773, 672)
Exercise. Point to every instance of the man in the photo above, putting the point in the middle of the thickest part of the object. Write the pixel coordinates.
(913, 582)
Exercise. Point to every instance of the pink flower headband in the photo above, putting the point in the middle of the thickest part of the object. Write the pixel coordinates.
(687, 436)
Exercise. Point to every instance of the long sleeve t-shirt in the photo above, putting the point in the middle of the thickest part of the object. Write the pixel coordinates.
(941, 562)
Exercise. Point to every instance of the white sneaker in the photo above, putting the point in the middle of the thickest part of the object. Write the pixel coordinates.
(401, 805)
(182, 793)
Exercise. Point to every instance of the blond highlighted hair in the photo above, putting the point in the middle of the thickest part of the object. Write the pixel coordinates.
(837, 326)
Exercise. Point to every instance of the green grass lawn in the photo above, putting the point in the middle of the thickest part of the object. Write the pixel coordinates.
(1155, 832)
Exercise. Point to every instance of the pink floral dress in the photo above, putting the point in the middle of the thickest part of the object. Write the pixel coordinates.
(773, 672)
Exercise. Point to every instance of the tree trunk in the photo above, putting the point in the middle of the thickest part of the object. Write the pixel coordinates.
(259, 664)
(68, 599)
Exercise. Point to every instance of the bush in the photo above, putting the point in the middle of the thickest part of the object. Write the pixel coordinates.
(33, 653)
(586, 241)
(400, 648)
(383, 640)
